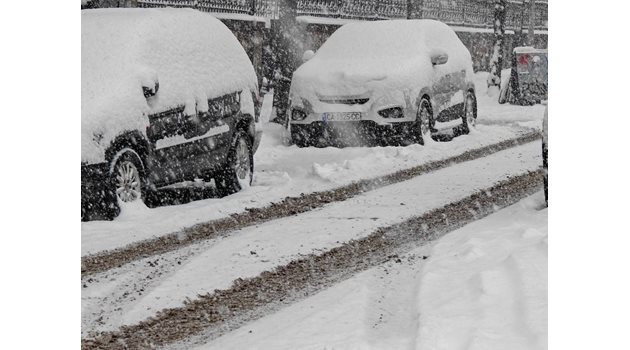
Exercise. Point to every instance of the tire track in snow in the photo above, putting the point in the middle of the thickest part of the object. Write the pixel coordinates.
(103, 261)
(248, 299)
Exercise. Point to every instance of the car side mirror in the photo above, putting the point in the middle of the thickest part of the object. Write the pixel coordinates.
(150, 90)
(438, 58)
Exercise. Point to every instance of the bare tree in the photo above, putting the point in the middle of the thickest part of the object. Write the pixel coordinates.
(496, 61)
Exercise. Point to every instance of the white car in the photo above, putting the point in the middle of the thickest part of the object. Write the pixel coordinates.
(399, 80)
(167, 95)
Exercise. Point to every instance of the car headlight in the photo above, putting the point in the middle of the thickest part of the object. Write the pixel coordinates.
(298, 114)
(395, 112)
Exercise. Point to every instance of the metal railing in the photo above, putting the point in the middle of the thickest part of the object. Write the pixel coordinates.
(356, 9)
(470, 13)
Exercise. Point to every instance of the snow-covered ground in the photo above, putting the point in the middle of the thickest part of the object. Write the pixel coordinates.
(288, 171)
(483, 286)
(218, 262)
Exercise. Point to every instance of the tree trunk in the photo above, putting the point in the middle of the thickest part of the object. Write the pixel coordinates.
(496, 61)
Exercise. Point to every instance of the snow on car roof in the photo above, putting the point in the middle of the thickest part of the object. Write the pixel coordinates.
(386, 38)
(191, 54)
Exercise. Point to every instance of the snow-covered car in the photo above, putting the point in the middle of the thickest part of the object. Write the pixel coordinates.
(167, 95)
(404, 79)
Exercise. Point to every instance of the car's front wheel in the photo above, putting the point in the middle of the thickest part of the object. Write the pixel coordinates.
(239, 170)
(469, 116)
(127, 179)
(127, 183)
(130, 179)
(423, 122)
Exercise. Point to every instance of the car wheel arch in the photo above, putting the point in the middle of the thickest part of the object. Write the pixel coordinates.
(425, 92)
(131, 140)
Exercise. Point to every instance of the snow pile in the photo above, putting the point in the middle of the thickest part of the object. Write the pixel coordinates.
(192, 55)
(486, 288)
(375, 58)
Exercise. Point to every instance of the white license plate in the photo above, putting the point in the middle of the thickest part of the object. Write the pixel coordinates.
(345, 116)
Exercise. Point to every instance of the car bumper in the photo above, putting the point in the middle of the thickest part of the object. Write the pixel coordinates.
(365, 130)
(369, 115)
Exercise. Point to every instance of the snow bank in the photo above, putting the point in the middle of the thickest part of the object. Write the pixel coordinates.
(485, 286)
(375, 58)
(191, 54)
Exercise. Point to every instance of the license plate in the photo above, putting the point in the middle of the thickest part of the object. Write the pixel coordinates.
(346, 116)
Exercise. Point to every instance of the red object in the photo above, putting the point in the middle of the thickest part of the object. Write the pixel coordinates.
(522, 59)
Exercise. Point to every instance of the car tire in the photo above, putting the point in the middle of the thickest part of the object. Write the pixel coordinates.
(424, 120)
(239, 169)
(129, 179)
(469, 116)
(105, 206)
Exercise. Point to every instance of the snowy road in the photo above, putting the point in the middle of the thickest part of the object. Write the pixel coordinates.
(125, 296)
(483, 286)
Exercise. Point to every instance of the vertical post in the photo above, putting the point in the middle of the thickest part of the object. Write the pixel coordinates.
(496, 61)
(421, 9)
(532, 22)
(461, 3)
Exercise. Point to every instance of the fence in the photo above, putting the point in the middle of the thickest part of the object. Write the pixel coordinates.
(468, 13)
(263, 8)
